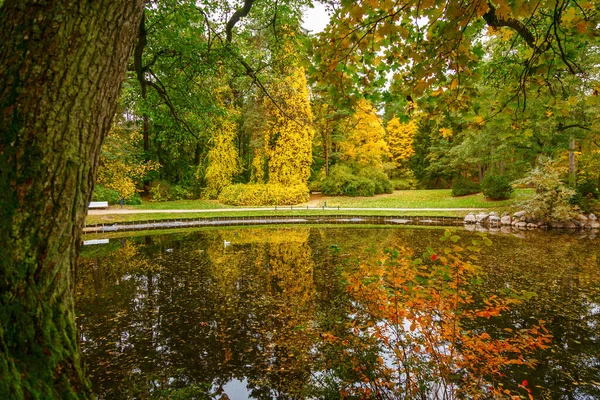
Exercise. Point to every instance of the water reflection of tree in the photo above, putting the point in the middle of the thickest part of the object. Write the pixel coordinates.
(564, 273)
(168, 315)
(199, 315)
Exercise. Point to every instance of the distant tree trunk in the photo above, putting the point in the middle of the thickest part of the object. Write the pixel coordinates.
(62, 65)
(481, 171)
(572, 176)
(327, 148)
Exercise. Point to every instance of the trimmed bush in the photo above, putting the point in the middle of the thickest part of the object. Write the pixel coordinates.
(102, 193)
(463, 186)
(263, 195)
(496, 187)
(134, 200)
(359, 186)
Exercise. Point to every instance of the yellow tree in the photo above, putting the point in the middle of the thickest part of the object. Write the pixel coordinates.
(121, 166)
(400, 140)
(223, 155)
(364, 144)
(289, 131)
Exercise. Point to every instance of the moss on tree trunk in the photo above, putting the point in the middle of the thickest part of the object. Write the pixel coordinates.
(60, 74)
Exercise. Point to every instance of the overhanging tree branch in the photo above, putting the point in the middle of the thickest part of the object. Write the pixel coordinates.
(492, 19)
(235, 18)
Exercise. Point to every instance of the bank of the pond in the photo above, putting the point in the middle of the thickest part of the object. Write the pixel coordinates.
(111, 216)
(335, 219)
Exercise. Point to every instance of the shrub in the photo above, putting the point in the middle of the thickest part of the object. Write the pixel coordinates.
(178, 192)
(134, 200)
(314, 186)
(366, 182)
(402, 179)
(102, 193)
(159, 191)
(404, 184)
(339, 176)
(586, 196)
(359, 186)
(496, 187)
(588, 187)
(551, 201)
(463, 186)
(381, 182)
(263, 194)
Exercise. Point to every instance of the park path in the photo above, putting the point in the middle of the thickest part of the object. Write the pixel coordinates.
(115, 211)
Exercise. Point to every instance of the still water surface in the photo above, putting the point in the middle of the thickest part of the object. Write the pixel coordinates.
(317, 312)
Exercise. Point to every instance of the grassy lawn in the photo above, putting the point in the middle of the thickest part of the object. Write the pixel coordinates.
(399, 199)
(180, 205)
(439, 198)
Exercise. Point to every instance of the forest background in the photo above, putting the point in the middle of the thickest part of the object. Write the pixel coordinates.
(267, 114)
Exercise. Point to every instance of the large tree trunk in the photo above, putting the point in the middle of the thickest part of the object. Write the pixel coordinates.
(62, 62)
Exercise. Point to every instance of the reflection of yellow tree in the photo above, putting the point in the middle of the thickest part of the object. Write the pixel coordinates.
(283, 260)
(291, 277)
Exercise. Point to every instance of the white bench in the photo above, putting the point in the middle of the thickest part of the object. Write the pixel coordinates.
(98, 204)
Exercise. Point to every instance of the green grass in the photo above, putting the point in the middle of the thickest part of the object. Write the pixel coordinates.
(399, 199)
(180, 205)
(439, 198)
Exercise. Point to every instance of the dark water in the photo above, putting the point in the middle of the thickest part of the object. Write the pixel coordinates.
(275, 314)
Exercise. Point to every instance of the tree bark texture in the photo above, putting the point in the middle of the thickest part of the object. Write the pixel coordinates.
(61, 66)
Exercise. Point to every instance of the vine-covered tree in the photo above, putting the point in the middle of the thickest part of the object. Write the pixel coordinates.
(288, 131)
(223, 155)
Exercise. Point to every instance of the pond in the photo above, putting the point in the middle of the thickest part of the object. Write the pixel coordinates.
(325, 312)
